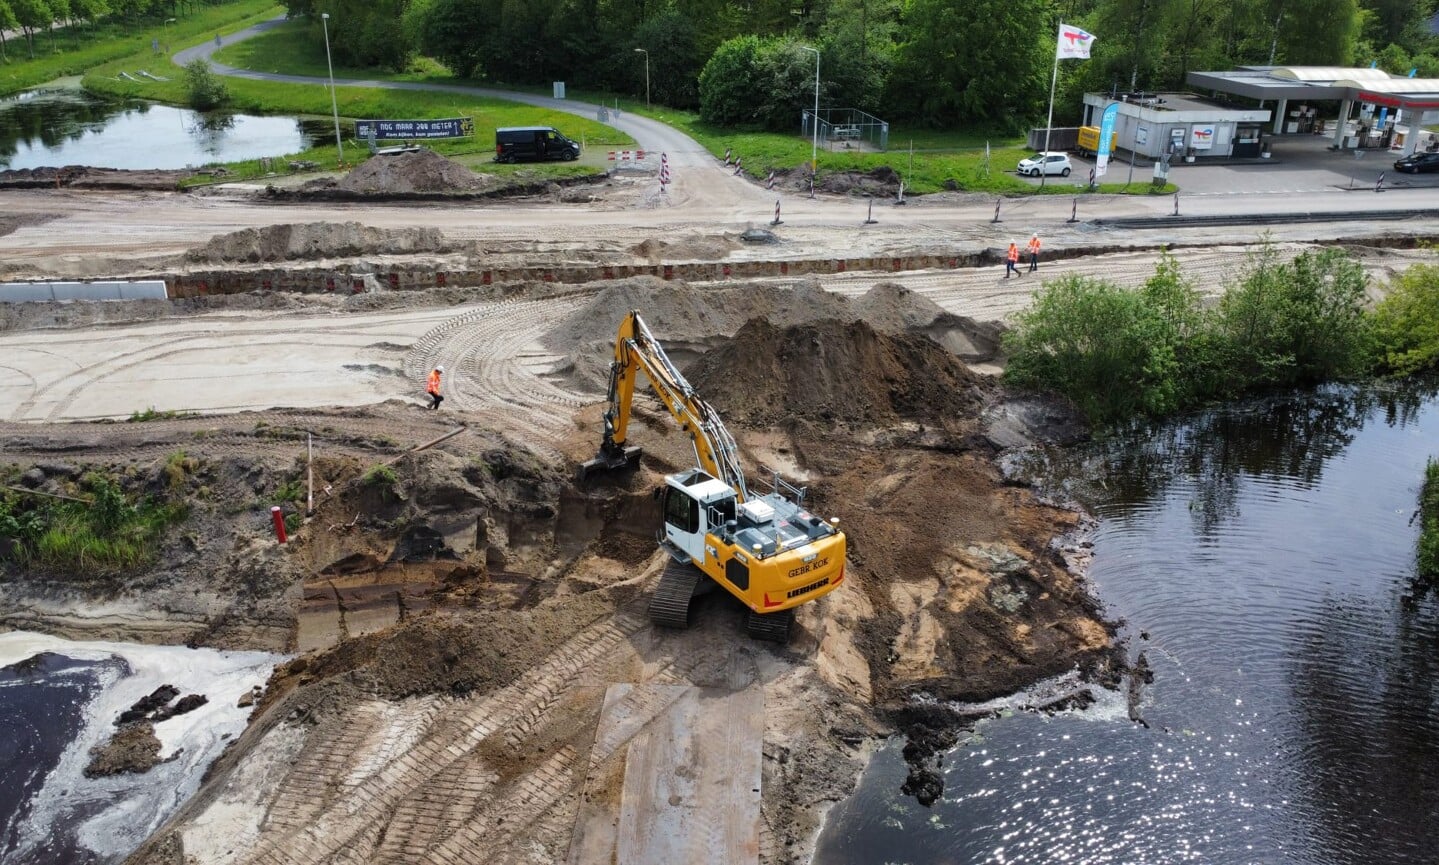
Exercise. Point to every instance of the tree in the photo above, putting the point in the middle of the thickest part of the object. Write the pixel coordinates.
(7, 22)
(30, 14)
(987, 60)
(1316, 32)
(858, 42)
(674, 64)
(89, 10)
(730, 82)
(453, 32)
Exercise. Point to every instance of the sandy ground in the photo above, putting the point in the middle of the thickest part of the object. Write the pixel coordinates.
(449, 706)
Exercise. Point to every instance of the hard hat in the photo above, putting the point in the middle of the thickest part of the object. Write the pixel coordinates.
(439, 369)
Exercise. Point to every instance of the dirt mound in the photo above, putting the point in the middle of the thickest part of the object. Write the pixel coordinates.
(317, 240)
(833, 372)
(691, 247)
(877, 181)
(689, 320)
(416, 171)
(892, 308)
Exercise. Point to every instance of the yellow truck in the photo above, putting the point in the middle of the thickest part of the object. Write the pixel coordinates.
(1089, 140)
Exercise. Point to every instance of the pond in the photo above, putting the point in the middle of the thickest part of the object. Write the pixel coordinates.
(1262, 559)
(62, 126)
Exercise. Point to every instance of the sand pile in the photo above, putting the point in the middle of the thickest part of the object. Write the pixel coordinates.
(317, 240)
(830, 373)
(415, 171)
(690, 247)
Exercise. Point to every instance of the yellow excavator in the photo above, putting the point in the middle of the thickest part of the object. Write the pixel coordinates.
(767, 550)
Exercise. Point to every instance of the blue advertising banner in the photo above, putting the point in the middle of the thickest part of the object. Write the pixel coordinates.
(391, 130)
(1106, 132)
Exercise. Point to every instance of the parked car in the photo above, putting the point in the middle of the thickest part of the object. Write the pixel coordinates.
(1418, 163)
(1049, 163)
(533, 144)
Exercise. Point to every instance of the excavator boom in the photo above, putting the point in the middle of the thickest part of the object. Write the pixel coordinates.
(636, 352)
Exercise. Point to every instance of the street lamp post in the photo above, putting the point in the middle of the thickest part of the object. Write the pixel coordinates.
(647, 74)
(168, 22)
(334, 104)
(814, 119)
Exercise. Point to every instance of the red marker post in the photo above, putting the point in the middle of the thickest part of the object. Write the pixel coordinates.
(278, 518)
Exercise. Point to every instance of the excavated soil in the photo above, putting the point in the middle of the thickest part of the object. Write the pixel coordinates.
(414, 171)
(317, 240)
(688, 320)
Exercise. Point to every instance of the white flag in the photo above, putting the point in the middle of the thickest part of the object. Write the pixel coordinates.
(1074, 42)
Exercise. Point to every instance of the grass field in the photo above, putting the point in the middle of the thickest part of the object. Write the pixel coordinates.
(74, 50)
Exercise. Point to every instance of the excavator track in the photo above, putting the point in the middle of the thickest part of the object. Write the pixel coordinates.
(670, 606)
(772, 628)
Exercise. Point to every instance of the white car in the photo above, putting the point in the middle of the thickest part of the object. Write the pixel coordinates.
(1049, 163)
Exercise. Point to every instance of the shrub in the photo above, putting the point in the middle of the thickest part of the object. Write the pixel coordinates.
(1109, 350)
(1406, 322)
(205, 90)
(1116, 353)
(731, 82)
(1301, 322)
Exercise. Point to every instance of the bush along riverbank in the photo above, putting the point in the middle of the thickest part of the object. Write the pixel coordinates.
(1117, 353)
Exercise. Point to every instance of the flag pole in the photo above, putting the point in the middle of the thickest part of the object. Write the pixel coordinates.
(1049, 122)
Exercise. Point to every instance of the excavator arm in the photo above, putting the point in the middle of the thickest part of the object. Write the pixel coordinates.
(636, 352)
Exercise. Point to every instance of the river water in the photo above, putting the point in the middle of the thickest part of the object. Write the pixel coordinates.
(1262, 559)
(59, 698)
(60, 126)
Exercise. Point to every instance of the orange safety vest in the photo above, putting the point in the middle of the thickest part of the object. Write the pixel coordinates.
(434, 382)
(1034, 246)
(1013, 254)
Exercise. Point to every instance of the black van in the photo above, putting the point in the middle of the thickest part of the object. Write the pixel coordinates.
(533, 144)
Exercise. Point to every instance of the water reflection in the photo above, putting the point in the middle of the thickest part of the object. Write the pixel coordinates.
(1368, 712)
(71, 127)
(1267, 552)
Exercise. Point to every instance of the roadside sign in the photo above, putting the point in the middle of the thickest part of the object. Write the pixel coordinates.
(389, 130)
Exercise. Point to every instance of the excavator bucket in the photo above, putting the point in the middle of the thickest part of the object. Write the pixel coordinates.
(611, 460)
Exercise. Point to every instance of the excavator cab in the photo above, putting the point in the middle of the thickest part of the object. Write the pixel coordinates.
(694, 504)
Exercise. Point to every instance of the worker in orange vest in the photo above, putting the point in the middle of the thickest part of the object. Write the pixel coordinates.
(1033, 253)
(1011, 260)
(433, 388)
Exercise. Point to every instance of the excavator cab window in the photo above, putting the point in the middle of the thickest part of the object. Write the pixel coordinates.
(681, 511)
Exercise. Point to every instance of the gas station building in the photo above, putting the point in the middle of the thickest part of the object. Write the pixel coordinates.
(1252, 104)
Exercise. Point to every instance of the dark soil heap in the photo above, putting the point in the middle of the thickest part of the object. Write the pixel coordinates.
(831, 372)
